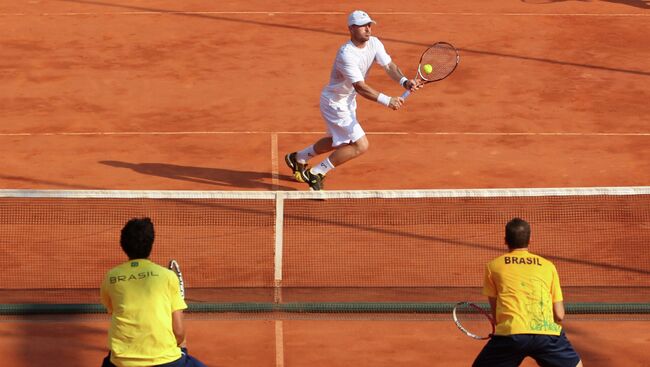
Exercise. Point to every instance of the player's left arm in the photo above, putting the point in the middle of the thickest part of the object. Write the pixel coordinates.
(177, 306)
(178, 327)
(396, 74)
(493, 308)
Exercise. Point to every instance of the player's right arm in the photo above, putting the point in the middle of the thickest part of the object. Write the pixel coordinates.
(557, 297)
(558, 311)
(396, 74)
(105, 296)
(370, 93)
(490, 290)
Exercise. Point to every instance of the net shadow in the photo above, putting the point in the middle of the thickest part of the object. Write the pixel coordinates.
(393, 40)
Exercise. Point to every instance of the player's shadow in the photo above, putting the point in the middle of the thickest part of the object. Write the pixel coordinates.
(636, 3)
(643, 4)
(211, 176)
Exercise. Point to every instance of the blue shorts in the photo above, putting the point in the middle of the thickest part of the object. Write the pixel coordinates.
(546, 350)
(185, 361)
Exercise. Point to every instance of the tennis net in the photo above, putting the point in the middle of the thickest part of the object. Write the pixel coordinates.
(335, 251)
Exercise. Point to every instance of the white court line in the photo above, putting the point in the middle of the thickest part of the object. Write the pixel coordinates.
(275, 172)
(279, 344)
(303, 13)
(275, 133)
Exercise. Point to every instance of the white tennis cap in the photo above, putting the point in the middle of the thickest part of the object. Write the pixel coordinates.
(359, 17)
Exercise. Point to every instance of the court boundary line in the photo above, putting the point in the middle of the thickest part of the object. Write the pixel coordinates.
(303, 13)
(275, 169)
(279, 343)
(276, 133)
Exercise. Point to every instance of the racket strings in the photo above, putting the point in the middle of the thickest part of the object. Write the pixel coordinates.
(442, 58)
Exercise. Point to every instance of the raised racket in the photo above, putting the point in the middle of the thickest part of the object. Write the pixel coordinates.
(436, 63)
(473, 320)
(173, 266)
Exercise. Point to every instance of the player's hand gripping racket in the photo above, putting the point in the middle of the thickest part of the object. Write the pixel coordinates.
(436, 63)
(173, 266)
(474, 321)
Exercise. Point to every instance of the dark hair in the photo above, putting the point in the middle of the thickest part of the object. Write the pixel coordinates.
(517, 233)
(137, 238)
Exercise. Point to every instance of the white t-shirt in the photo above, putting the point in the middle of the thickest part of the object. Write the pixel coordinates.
(350, 66)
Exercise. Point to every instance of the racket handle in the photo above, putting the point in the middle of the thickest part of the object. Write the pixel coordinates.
(406, 94)
(173, 266)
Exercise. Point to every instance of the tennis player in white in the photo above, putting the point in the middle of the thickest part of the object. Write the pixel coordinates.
(338, 102)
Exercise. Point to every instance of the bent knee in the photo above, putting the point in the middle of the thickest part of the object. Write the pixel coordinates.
(362, 146)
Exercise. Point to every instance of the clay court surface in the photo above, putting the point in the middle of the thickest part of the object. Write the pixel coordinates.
(207, 95)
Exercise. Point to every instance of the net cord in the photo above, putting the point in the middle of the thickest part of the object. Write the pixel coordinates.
(343, 194)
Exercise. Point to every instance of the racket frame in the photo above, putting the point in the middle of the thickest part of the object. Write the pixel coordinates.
(173, 266)
(480, 311)
(421, 77)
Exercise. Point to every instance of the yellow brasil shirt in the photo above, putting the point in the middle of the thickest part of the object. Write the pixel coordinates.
(141, 296)
(525, 286)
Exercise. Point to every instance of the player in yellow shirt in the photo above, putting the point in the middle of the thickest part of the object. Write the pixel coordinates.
(526, 301)
(145, 305)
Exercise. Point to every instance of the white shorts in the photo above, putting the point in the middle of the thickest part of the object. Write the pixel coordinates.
(341, 121)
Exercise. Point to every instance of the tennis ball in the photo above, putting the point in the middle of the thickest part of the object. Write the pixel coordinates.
(427, 68)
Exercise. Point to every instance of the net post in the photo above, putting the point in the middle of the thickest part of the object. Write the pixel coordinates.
(279, 236)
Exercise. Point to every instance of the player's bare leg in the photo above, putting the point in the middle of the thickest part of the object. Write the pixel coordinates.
(297, 161)
(324, 145)
(314, 176)
(349, 151)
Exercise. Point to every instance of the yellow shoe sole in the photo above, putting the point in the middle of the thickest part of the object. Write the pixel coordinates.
(298, 177)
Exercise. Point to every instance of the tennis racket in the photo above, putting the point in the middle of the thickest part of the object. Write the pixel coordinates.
(173, 266)
(436, 63)
(473, 320)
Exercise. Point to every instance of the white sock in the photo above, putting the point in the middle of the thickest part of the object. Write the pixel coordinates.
(306, 154)
(323, 167)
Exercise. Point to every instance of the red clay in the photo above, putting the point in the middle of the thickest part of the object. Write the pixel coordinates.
(101, 94)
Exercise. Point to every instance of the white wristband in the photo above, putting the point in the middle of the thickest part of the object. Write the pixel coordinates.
(383, 99)
(403, 80)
